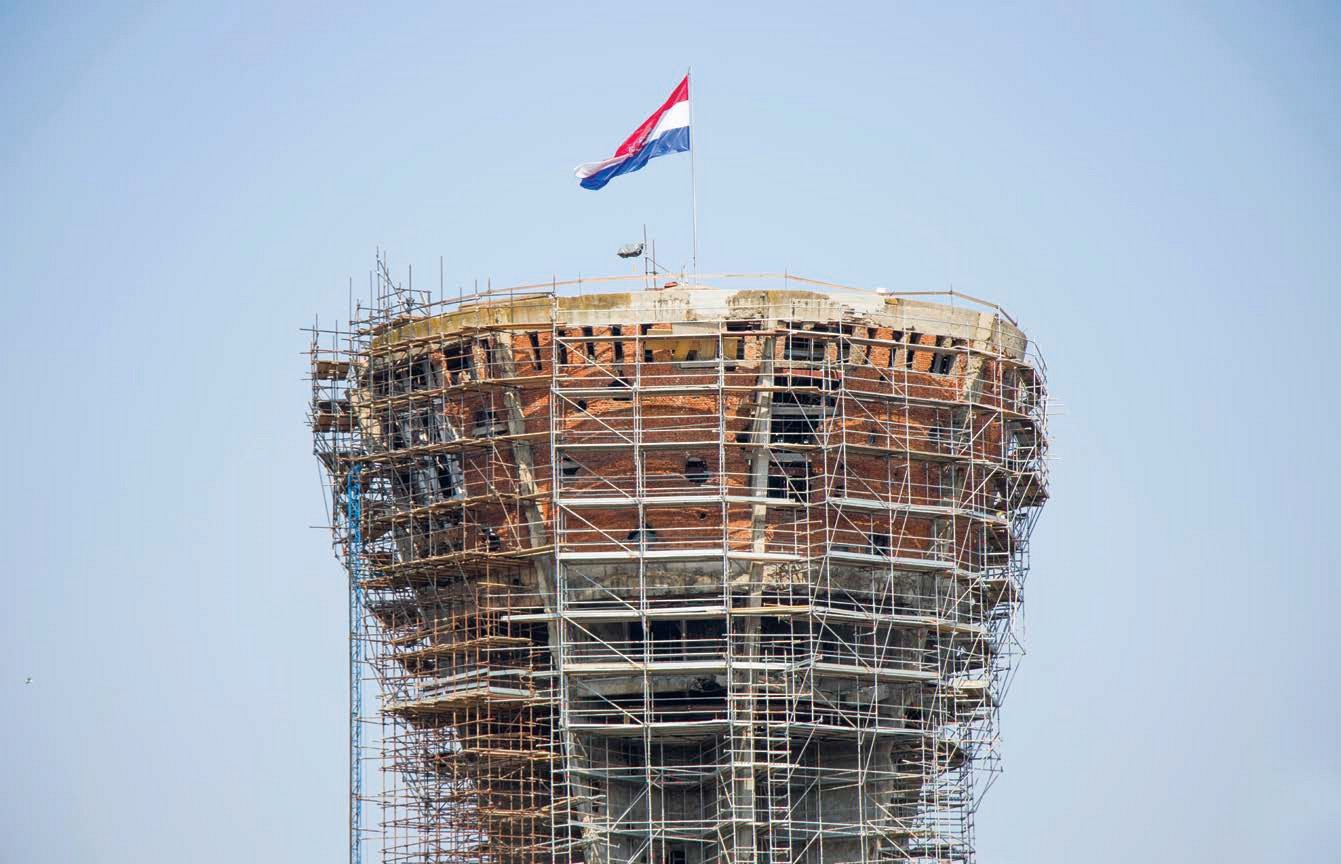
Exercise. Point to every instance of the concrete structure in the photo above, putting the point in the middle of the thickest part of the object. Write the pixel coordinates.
(722, 572)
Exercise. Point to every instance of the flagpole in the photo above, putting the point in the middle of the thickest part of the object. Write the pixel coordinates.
(693, 182)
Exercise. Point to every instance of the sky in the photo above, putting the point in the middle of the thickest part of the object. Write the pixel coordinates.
(1153, 190)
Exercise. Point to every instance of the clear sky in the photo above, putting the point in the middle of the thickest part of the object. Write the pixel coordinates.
(1154, 190)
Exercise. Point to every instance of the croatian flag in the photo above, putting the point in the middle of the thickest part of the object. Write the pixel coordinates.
(666, 131)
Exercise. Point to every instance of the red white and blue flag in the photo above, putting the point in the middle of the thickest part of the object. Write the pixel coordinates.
(666, 131)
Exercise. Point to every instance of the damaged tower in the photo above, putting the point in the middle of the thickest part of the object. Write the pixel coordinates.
(691, 574)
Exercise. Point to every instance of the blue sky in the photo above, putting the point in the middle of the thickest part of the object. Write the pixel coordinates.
(1154, 190)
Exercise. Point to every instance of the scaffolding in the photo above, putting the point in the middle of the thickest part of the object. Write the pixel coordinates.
(683, 575)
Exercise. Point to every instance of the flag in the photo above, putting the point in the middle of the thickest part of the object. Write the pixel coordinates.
(666, 131)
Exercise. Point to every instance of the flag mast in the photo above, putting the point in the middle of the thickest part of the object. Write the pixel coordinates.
(693, 182)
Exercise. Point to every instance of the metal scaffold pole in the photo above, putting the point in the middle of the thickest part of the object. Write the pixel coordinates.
(353, 521)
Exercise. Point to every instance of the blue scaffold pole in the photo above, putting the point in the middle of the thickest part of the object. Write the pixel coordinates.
(354, 524)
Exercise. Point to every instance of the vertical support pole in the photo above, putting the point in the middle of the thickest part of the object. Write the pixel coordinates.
(693, 181)
(354, 524)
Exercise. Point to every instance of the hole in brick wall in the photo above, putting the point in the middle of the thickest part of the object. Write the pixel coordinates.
(796, 418)
(569, 467)
(879, 543)
(643, 330)
(667, 638)
(897, 337)
(494, 542)
(451, 482)
(696, 471)
(913, 339)
(700, 628)
(942, 362)
(642, 535)
(739, 327)
(535, 348)
(789, 477)
(804, 349)
(487, 422)
(456, 358)
(421, 374)
(581, 404)
(702, 515)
